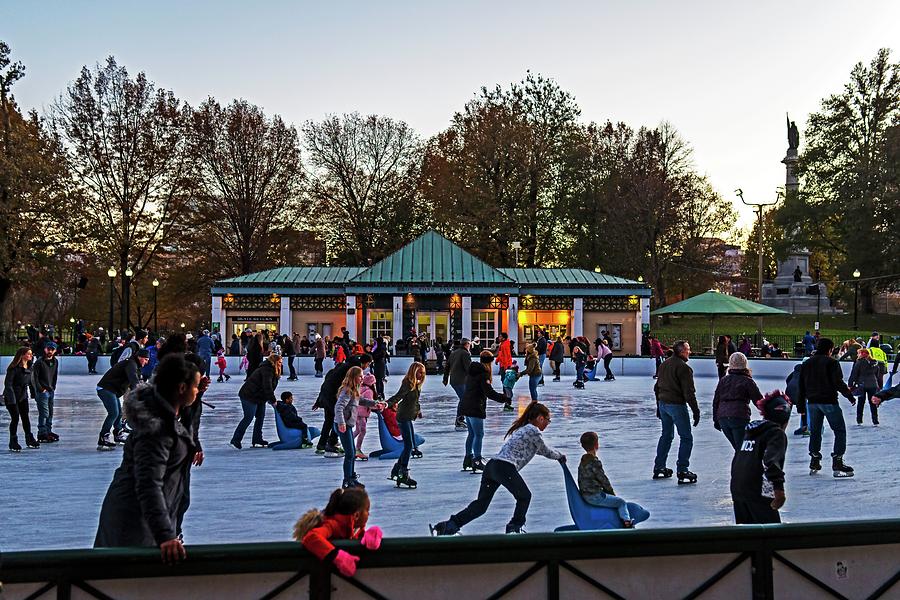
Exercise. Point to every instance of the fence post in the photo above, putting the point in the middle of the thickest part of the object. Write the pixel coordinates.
(761, 566)
(553, 580)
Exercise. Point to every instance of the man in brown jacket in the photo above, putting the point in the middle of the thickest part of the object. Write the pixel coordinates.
(674, 391)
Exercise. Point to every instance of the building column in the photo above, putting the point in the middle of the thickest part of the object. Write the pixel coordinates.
(467, 317)
(512, 320)
(577, 317)
(350, 317)
(644, 320)
(397, 319)
(284, 317)
(217, 313)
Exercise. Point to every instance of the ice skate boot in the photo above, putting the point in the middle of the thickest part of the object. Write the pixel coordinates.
(352, 483)
(306, 444)
(663, 473)
(395, 472)
(227, 378)
(333, 452)
(405, 479)
(467, 464)
(416, 453)
(515, 529)
(120, 436)
(220, 380)
(839, 469)
(104, 443)
(460, 424)
(478, 465)
(360, 455)
(444, 528)
(508, 408)
(14, 444)
(32, 443)
(53, 437)
(815, 463)
(685, 477)
(261, 444)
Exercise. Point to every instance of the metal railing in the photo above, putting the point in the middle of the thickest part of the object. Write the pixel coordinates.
(831, 559)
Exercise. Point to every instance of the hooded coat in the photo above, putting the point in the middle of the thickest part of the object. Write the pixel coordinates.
(757, 469)
(142, 503)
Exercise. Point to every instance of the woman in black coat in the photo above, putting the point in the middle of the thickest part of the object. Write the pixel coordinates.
(557, 355)
(473, 406)
(254, 354)
(257, 391)
(142, 503)
(15, 397)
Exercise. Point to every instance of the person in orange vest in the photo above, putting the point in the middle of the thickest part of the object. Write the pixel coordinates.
(504, 353)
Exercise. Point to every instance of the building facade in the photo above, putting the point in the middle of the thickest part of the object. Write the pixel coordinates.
(433, 286)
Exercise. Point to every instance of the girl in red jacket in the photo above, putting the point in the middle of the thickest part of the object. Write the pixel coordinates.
(344, 518)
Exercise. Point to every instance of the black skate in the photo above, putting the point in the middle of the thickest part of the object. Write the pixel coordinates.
(416, 453)
(32, 443)
(515, 529)
(685, 477)
(477, 465)
(663, 473)
(14, 444)
(460, 424)
(261, 444)
(579, 385)
(839, 469)
(395, 472)
(443, 528)
(405, 479)
(104, 443)
(467, 464)
(815, 463)
(352, 483)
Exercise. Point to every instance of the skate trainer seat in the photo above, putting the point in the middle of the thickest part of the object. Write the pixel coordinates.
(390, 446)
(588, 517)
(289, 439)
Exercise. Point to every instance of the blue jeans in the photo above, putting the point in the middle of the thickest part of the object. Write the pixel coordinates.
(460, 391)
(579, 369)
(252, 412)
(541, 359)
(475, 437)
(816, 414)
(610, 501)
(533, 381)
(113, 411)
(349, 451)
(672, 417)
(734, 428)
(406, 431)
(207, 363)
(45, 412)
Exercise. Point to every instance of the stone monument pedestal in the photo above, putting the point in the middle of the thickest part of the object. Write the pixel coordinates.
(802, 297)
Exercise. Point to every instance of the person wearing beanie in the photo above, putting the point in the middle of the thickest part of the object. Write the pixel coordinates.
(757, 469)
(731, 403)
(821, 379)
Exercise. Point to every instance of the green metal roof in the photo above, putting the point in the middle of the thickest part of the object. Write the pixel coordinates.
(432, 258)
(326, 276)
(564, 277)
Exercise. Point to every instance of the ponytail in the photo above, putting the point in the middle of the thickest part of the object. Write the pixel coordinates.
(532, 412)
(342, 502)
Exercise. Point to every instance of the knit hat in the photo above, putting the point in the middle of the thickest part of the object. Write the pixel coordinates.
(738, 361)
(775, 407)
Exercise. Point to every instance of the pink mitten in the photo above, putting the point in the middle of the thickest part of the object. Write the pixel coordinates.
(345, 563)
(371, 539)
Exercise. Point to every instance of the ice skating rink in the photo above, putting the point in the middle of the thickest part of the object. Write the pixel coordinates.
(53, 495)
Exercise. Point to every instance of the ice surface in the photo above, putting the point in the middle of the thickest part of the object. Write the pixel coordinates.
(52, 496)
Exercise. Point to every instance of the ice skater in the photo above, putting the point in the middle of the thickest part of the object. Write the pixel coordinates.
(474, 408)
(525, 440)
(345, 414)
(368, 391)
(222, 363)
(757, 469)
(674, 389)
(408, 410)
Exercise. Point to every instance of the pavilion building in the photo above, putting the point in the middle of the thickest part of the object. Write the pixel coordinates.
(433, 286)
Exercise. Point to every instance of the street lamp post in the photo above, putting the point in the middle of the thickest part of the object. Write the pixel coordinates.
(112, 284)
(516, 246)
(758, 207)
(155, 321)
(127, 294)
(856, 275)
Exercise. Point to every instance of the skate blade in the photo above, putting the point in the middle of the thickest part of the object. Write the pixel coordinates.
(814, 471)
(842, 475)
(686, 481)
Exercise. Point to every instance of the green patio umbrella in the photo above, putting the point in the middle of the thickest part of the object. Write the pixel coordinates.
(713, 303)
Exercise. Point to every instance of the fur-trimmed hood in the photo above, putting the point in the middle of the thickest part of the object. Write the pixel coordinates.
(146, 411)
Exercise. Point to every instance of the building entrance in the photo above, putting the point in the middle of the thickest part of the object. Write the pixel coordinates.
(434, 324)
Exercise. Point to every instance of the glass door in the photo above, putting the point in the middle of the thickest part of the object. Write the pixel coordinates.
(441, 326)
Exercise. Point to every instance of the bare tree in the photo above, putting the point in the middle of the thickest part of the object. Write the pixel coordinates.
(362, 184)
(126, 145)
(248, 174)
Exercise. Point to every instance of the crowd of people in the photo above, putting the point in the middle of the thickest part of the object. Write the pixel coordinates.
(162, 383)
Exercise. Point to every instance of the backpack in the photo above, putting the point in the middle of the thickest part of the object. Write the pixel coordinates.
(116, 354)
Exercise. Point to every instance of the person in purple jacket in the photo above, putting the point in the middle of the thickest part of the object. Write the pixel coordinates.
(734, 395)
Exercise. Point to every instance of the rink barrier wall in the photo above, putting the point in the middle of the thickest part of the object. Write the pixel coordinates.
(858, 559)
(621, 365)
